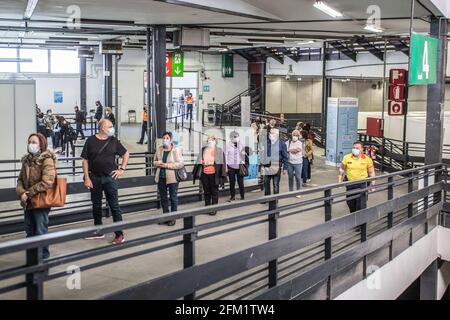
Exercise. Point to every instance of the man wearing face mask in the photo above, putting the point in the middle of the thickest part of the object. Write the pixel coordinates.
(356, 166)
(211, 170)
(274, 159)
(100, 173)
(236, 157)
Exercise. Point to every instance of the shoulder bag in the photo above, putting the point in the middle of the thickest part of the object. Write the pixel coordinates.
(53, 197)
(180, 174)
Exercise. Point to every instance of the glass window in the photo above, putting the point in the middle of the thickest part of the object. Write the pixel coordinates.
(39, 61)
(64, 61)
(6, 53)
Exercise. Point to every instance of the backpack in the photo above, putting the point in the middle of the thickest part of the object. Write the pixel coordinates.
(71, 133)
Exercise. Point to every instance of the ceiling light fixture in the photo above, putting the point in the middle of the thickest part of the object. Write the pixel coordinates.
(30, 8)
(373, 28)
(322, 6)
(305, 42)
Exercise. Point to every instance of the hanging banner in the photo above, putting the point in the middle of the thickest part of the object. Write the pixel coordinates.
(168, 64)
(423, 65)
(177, 64)
(227, 65)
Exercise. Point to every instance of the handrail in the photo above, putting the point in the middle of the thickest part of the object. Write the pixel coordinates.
(270, 252)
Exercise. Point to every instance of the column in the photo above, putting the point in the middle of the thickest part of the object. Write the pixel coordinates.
(107, 81)
(159, 79)
(435, 97)
(83, 84)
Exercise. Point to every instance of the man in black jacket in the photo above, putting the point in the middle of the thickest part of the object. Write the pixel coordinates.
(80, 119)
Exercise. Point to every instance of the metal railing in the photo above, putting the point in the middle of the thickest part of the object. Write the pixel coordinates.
(284, 265)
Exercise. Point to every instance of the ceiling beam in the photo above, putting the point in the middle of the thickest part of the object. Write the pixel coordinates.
(400, 46)
(344, 49)
(366, 44)
(217, 10)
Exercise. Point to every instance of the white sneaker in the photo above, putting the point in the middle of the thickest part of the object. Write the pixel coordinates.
(308, 181)
(298, 197)
(99, 236)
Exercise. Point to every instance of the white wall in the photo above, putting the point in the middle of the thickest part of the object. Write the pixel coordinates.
(131, 82)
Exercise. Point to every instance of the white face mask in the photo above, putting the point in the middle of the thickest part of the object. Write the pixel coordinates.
(235, 140)
(111, 132)
(33, 148)
(211, 143)
(166, 143)
(294, 138)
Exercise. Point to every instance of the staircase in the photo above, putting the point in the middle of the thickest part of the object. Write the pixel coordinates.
(229, 113)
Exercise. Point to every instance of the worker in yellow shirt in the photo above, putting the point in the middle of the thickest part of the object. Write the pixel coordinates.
(356, 166)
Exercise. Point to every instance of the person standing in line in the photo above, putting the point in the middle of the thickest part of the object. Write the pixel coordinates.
(235, 157)
(80, 119)
(49, 122)
(99, 111)
(189, 105)
(101, 173)
(307, 158)
(356, 166)
(181, 105)
(295, 150)
(167, 160)
(144, 125)
(211, 170)
(274, 160)
(110, 115)
(37, 175)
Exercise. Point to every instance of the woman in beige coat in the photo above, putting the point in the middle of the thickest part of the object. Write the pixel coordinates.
(37, 175)
(167, 160)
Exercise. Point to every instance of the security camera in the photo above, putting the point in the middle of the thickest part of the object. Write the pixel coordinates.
(288, 77)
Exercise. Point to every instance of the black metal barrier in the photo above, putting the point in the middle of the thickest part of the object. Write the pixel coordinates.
(283, 266)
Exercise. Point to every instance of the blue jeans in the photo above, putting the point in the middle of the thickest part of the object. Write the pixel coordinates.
(173, 192)
(36, 224)
(108, 185)
(305, 170)
(276, 184)
(295, 170)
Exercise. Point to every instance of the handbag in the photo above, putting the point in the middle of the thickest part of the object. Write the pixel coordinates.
(181, 174)
(243, 170)
(54, 197)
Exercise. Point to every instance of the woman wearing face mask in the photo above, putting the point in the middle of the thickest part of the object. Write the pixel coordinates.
(211, 170)
(110, 115)
(295, 150)
(307, 157)
(99, 111)
(37, 175)
(167, 160)
(235, 157)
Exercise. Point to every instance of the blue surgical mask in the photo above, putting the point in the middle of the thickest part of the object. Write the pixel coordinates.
(356, 152)
(111, 132)
(166, 143)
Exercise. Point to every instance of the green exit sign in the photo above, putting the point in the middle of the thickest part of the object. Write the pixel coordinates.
(177, 64)
(423, 64)
(227, 65)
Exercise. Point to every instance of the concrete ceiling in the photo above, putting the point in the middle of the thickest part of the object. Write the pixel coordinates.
(230, 21)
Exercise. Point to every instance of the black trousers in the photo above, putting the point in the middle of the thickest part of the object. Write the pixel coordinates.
(210, 188)
(80, 130)
(190, 107)
(356, 204)
(233, 175)
(143, 131)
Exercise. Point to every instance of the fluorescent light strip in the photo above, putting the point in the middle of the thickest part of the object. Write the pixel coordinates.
(322, 6)
(373, 28)
(30, 8)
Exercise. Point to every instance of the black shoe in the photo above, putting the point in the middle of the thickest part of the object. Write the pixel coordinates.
(213, 213)
(171, 223)
(146, 142)
(139, 142)
(231, 199)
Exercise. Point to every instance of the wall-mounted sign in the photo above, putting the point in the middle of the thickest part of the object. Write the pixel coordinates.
(396, 92)
(398, 76)
(423, 64)
(227, 65)
(206, 88)
(168, 64)
(58, 97)
(396, 108)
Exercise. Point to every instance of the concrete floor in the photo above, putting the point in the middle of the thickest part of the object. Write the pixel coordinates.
(101, 281)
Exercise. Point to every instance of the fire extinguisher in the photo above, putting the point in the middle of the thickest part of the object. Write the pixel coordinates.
(373, 152)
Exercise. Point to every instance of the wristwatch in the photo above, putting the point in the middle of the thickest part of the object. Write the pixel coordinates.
(121, 168)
